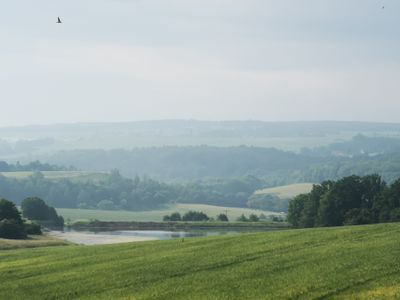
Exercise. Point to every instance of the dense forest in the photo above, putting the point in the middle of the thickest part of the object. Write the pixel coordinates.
(348, 201)
(118, 192)
(115, 192)
(225, 176)
(361, 156)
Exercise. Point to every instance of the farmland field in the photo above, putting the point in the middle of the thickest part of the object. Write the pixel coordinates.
(154, 215)
(287, 191)
(57, 175)
(359, 262)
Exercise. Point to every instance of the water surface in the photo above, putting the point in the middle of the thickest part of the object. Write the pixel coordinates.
(125, 236)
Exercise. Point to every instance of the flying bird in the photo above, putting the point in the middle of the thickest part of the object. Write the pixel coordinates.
(59, 20)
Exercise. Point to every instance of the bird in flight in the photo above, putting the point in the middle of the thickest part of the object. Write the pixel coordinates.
(59, 20)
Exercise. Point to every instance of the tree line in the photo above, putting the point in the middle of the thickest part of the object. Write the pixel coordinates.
(361, 156)
(115, 192)
(32, 166)
(351, 200)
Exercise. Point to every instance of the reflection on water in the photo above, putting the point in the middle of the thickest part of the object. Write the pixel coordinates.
(124, 236)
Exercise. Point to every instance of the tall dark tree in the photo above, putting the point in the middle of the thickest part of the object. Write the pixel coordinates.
(9, 211)
(11, 224)
(35, 208)
(348, 201)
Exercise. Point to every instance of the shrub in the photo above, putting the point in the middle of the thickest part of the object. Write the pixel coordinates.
(8, 210)
(254, 218)
(195, 216)
(12, 229)
(242, 218)
(36, 209)
(33, 228)
(106, 205)
(222, 218)
(174, 217)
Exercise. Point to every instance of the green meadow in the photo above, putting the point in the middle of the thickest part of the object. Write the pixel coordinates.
(359, 262)
(72, 214)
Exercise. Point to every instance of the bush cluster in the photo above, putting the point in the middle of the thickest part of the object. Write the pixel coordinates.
(349, 201)
(190, 216)
(11, 224)
(36, 209)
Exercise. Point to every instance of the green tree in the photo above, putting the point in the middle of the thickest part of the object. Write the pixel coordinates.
(11, 229)
(195, 216)
(106, 205)
(175, 217)
(242, 218)
(222, 218)
(254, 218)
(34, 208)
(9, 211)
(296, 207)
(11, 224)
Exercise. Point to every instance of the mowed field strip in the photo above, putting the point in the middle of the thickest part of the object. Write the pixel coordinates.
(359, 262)
(59, 175)
(287, 191)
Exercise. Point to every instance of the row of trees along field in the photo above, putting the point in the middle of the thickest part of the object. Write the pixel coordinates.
(348, 201)
(32, 166)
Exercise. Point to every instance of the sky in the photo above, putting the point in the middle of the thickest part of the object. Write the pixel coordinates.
(128, 60)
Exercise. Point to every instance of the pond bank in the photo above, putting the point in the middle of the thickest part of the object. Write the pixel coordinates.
(173, 226)
(91, 238)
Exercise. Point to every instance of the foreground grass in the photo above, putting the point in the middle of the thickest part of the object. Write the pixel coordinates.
(32, 241)
(338, 263)
(154, 215)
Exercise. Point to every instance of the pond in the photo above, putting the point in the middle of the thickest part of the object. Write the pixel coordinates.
(125, 236)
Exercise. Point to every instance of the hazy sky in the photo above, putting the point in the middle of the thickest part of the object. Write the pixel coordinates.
(125, 60)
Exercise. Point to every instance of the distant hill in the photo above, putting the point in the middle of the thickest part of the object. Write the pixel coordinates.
(280, 153)
(17, 142)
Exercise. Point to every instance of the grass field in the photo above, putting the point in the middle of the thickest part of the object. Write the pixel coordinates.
(154, 215)
(360, 262)
(32, 242)
(57, 175)
(287, 191)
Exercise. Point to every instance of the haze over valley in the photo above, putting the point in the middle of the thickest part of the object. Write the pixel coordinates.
(172, 149)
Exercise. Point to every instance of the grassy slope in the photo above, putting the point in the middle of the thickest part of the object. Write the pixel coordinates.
(287, 191)
(154, 215)
(360, 262)
(32, 242)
